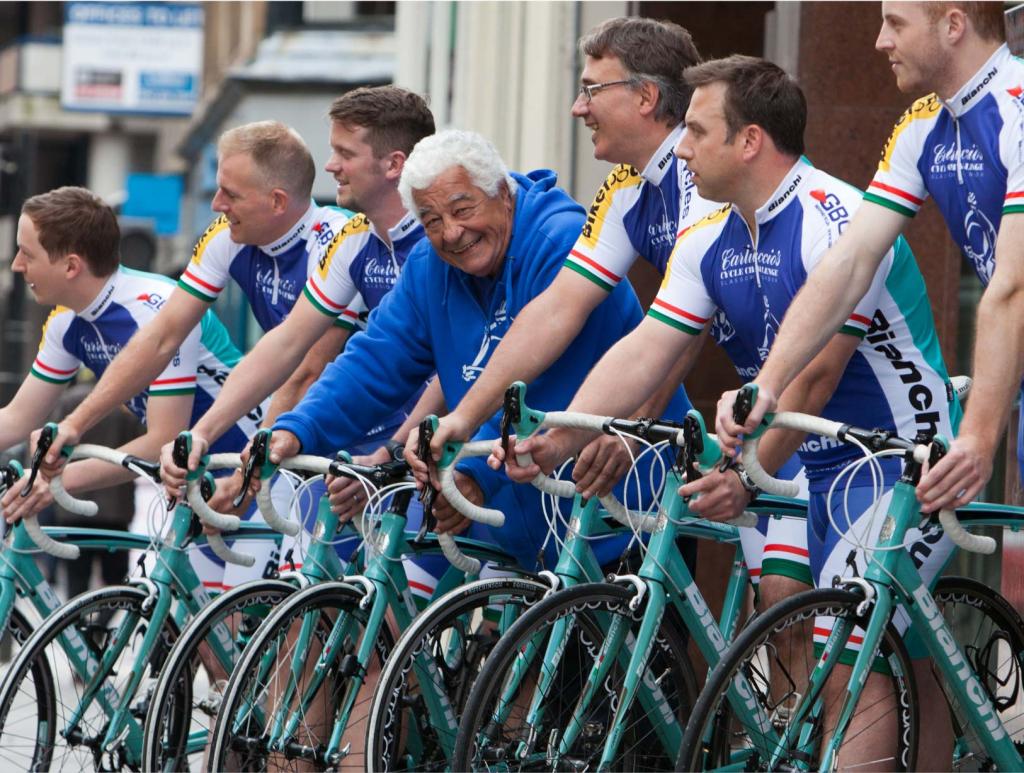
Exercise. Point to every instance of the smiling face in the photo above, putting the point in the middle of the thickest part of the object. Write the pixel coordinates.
(360, 175)
(466, 227)
(245, 200)
(47, 281)
(911, 38)
(612, 114)
(715, 163)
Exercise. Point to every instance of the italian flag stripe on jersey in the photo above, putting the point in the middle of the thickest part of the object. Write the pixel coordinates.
(184, 385)
(676, 317)
(193, 285)
(348, 320)
(893, 198)
(1013, 203)
(320, 301)
(592, 270)
(53, 375)
(856, 325)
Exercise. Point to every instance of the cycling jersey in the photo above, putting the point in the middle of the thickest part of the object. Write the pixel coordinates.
(967, 153)
(895, 379)
(358, 268)
(129, 300)
(637, 213)
(272, 275)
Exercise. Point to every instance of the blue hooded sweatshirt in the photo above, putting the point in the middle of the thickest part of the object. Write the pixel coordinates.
(439, 318)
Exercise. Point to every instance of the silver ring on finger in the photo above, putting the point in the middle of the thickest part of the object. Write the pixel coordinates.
(961, 493)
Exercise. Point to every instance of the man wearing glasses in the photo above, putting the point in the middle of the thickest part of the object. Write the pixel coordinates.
(633, 99)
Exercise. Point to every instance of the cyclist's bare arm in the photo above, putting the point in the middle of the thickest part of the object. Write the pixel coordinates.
(166, 416)
(623, 380)
(655, 405)
(275, 356)
(142, 359)
(524, 353)
(831, 292)
(998, 360)
(324, 350)
(28, 409)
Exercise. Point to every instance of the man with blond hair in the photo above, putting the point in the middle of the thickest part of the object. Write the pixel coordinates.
(267, 238)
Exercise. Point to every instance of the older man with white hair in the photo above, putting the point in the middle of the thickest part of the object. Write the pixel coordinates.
(495, 239)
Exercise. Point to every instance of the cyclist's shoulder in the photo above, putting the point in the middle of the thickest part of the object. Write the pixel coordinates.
(704, 230)
(215, 241)
(58, 321)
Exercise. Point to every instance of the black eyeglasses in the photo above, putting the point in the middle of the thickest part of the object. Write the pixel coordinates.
(587, 92)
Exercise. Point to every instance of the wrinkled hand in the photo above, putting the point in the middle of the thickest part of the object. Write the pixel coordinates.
(283, 445)
(722, 496)
(958, 476)
(53, 462)
(171, 474)
(450, 520)
(449, 428)
(225, 492)
(548, 451)
(728, 431)
(15, 507)
(348, 496)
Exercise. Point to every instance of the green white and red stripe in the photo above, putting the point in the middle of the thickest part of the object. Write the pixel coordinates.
(200, 288)
(1013, 203)
(54, 375)
(857, 325)
(348, 319)
(592, 270)
(893, 198)
(676, 317)
(320, 300)
(183, 385)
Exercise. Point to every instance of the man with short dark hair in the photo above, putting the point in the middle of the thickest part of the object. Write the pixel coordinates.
(963, 145)
(68, 243)
(745, 262)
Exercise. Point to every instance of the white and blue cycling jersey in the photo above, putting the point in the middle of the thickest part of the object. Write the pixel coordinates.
(129, 300)
(895, 379)
(967, 153)
(358, 268)
(637, 213)
(271, 276)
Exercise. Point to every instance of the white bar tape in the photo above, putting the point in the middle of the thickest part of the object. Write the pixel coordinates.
(208, 516)
(220, 548)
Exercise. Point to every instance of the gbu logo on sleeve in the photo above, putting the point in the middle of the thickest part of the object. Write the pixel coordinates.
(152, 300)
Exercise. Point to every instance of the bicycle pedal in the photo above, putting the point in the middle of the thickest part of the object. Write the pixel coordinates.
(140, 708)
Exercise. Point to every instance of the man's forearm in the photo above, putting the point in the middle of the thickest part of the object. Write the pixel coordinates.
(430, 402)
(655, 404)
(92, 474)
(259, 373)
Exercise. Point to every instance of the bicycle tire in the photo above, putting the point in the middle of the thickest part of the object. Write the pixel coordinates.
(485, 739)
(92, 621)
(240, 740)
(398, 708)
(991, 635)
(751, 654)
(171, 730)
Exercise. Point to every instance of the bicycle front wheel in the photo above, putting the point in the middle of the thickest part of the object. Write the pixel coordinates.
(299, 694)
(425, 682)
(769, 665)
(90, 646)
(187, 696)
(552, 694)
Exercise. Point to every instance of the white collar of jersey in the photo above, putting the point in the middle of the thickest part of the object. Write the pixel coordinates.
(784, 193)
(102, 300)
(977, 86)
(661, 161)
(295, 234)
(399, 230)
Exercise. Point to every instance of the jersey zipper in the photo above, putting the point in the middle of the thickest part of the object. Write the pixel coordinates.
(277, 281)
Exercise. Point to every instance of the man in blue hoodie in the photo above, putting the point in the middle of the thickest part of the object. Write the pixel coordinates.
(495, 240)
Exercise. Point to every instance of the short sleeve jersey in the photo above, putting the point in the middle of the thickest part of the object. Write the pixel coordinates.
(128, 301)
(357, 268)
(272, 275)
(745, 282)
(637, 213)
(966, 153)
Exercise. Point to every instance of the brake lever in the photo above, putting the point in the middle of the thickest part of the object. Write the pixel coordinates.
(428, 492)
(46, 437)
(512, 414)
(257, 458)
